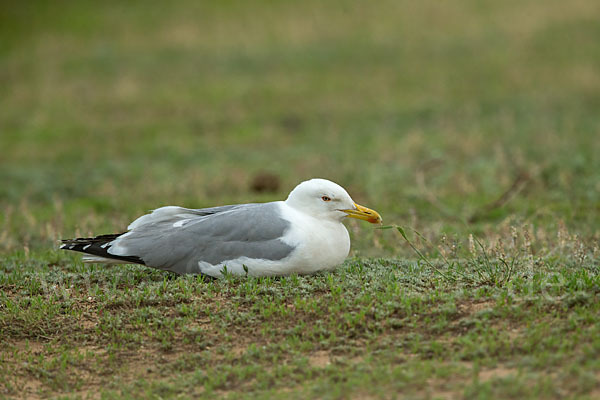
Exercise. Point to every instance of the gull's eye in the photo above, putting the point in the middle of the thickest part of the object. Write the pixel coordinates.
(326, 198)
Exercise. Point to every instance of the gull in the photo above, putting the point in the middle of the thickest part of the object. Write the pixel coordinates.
(302, 235)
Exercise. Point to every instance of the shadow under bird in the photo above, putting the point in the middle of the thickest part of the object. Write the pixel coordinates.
(302, 235)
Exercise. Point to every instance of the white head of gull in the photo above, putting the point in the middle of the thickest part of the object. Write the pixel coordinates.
(326, 200)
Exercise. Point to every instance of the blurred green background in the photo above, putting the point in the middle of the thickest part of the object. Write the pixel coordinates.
(452, 116)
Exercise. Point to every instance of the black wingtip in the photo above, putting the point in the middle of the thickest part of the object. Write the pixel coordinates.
(98, 246)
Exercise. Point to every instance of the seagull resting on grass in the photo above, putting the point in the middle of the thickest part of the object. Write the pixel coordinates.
(301, 235)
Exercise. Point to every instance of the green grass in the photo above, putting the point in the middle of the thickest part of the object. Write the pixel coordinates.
(453, 119)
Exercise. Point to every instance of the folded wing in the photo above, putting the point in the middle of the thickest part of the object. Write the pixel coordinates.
(177, 239)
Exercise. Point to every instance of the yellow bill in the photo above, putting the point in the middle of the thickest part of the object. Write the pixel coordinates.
(364, 213)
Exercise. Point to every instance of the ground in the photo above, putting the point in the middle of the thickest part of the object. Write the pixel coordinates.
(471, 126)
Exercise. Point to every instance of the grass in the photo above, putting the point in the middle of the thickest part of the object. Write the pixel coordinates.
(458, 120)
(374, 327)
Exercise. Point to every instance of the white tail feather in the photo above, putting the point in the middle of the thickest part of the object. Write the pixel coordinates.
(103, 260)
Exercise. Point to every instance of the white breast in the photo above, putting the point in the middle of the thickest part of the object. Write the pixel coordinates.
(319, 244)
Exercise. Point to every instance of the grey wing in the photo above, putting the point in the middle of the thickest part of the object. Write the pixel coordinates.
(181, 238)
(174, 213)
